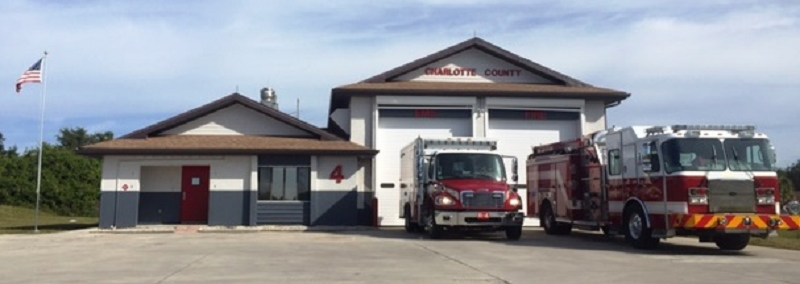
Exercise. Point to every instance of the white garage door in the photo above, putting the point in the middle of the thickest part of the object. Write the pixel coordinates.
(396, 129)
(518, 131)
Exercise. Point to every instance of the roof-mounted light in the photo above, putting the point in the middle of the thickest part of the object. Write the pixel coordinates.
(732, 128)
(655, 130)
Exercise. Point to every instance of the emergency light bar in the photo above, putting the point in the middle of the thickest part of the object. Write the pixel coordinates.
(714, 127)
(460, 142)
(680, 127)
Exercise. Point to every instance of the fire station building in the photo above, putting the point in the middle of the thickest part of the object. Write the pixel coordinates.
(236, 161)
(232, 162)
(471, 89)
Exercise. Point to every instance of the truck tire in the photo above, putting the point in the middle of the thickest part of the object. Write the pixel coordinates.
(434, 231)
(732, 241)
(513, 232)
(551, 226)
(636, 232)
(411, 227)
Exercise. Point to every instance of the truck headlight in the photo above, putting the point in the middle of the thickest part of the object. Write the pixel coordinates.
(765, 196)
(514, 202)
(445, 200)
(764, 200)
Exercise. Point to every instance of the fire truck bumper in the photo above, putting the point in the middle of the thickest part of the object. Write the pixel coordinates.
(737, 222)
(456, 218)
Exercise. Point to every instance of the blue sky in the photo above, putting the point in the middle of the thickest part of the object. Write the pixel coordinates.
(123, 65)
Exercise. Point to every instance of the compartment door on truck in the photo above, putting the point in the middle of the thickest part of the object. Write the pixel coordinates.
(397, 127)
(518, 130)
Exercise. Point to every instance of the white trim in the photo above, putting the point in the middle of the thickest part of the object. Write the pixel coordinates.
(559, 109)
(582, 123)
(254, 174)
(425, 101)
(313, 207)
(653, 207)
(532, 102)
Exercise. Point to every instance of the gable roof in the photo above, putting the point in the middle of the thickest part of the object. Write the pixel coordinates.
(486, 47)
(149, 141)
(224, 145)
(235, 98)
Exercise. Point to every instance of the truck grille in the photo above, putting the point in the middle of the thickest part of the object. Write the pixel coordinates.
(731, 196)
(483, 199)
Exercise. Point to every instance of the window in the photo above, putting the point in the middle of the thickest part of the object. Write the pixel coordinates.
(650, 160)
(470, 166)
(284, 177)
(284, 183)
(614, 163)
(700, 154)
(749, 154)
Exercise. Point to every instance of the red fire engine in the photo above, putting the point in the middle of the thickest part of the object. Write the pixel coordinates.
(649, 183)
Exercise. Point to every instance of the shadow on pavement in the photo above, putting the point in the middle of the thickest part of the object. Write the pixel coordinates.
(54, 227)
(536, 238)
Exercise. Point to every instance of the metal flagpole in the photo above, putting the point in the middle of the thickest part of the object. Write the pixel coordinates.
(41, 145)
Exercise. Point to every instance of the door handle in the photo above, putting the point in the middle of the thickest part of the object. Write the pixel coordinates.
(184, 195)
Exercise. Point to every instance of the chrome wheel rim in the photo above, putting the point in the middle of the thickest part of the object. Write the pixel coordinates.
(635, 226)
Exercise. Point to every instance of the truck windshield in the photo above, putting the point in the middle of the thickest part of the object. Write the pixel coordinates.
(693, 154)
(470, 166)
(749, 154)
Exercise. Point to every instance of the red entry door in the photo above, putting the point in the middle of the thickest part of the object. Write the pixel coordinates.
(194, 187)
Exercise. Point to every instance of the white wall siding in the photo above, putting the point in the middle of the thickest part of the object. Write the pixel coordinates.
(161, 179)
(228, 173)
(360, 117)
(231, 174)
(595, 112)
(236, 120)
(483, 66)
(325, 190)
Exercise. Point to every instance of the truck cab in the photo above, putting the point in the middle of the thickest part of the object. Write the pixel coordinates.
(458, 185)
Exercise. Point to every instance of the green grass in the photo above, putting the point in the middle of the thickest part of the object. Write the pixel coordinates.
(19, 220)
(784, 240)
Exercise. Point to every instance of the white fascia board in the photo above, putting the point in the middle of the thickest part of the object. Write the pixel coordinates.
(425, 101)
(534, 103)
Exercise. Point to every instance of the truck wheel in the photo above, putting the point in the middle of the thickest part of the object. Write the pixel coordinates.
(548, 220)
(410, 226)
(434, 231)
(513, 232)
(551, 226)
(732, 241)
(636, 231)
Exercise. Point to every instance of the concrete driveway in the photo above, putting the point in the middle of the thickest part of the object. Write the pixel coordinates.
(381, 256)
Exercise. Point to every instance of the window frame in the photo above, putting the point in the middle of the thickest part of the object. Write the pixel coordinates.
(614, 164)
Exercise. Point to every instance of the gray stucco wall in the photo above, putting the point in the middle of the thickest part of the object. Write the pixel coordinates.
(229, 208)
(159, 207)
(336, 208)
(119, 209)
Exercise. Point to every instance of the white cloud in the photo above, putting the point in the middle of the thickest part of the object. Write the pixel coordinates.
(683, 61)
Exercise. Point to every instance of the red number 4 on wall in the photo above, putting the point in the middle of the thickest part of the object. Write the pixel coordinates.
(337, 174)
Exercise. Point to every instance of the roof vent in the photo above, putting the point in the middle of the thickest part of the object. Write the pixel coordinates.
(269, 98)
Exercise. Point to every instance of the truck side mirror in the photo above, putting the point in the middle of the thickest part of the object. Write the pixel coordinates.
(514, 176)
(421, 169)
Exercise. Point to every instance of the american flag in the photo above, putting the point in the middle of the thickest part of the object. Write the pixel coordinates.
(33, 75)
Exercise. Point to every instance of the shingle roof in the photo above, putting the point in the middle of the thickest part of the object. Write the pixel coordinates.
(484, 46)
(481, 89)
(235, 98)
(223, 144)
(151, 141)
